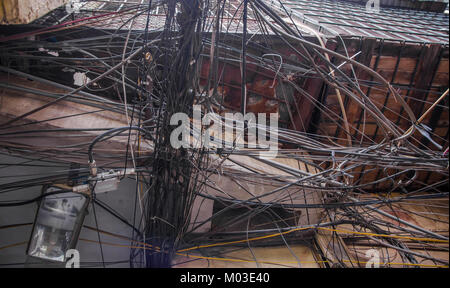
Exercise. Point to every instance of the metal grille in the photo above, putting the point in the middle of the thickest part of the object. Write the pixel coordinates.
(352, 19)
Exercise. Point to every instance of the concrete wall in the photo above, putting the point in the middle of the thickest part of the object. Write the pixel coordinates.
(26, 11)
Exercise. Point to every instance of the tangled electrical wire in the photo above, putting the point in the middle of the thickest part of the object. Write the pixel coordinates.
(140, 77)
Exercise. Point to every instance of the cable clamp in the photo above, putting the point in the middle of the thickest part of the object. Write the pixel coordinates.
(93, 168)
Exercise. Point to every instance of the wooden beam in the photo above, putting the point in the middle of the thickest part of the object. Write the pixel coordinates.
(428, 63)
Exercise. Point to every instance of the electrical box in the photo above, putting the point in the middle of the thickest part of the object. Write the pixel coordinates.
(57, 225)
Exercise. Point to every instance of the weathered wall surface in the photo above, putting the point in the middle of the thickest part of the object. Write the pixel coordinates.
(26, 11)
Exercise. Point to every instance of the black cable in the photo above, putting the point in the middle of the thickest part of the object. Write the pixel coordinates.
(116, 215)
(112, 131)
(25, 202)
